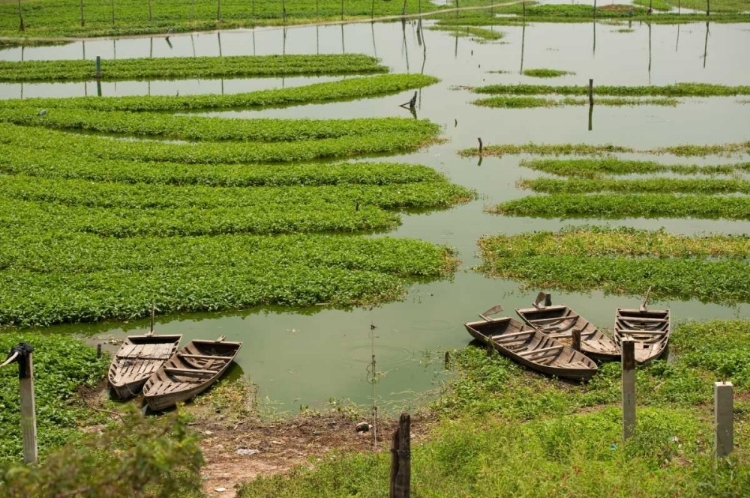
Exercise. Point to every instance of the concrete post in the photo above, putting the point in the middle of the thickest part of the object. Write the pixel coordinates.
(723, 414)
(628, 388)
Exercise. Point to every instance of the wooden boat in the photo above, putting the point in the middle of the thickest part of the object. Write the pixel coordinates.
(531, 348)
(650, 329)
(189, 372)
(559, 321)
(138, 358)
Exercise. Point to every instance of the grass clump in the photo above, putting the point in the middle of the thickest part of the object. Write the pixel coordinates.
(651, 185)
(351, 88)
(623, 261)
(627, 206)
(546, 149)
(545, 73)
(676, 90)
(511, 102)
(720, 6)
(475, 33)
(62, 366)
(191, 67)
(597, 167)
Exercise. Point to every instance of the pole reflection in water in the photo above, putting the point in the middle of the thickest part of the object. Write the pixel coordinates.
(677, 45)
(374, 47)
(343, 42)
(705, 47)
(405, 45)
(523, 42)
(649, 53)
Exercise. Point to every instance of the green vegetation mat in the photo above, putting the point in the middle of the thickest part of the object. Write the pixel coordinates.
(597, 167)
(513, 102)
(493, 410)
(624, 261)
(545, 73)
(651, 185)
(62, 366)
(477, 34)
(627, 206)
(742, 148)
(191, 67)
(55, 18)
(351, 88)
(676, 90)
(717, 6)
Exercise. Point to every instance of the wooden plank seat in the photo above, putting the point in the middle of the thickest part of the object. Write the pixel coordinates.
(542, 350)
(188, 371)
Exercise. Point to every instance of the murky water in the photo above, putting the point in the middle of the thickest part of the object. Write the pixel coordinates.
(305, 358)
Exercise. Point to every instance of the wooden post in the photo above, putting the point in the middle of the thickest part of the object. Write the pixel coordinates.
(447, 362)
(150, 17)
(591, 92)
(192, 10)
(218, 10)
(83, 21)
(591, 117)
(594, 10)
(723, 413)
(113, 12)
(708, 7)
(628, 388)
(98, 88)
(481, 145)
(372, 10)
(342, 10)
(401, 459)
(403, 9)
(98, 67)
(20, 16)
(283, 11)
(576, 344)
(98, 350)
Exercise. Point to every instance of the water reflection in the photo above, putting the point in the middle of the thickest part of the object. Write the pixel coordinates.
(705, 47)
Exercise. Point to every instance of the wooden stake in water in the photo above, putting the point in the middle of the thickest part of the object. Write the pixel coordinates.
(342, 10)
(723, 417)
(708, 8)
(591, 92)
(218, 10)
(113, 12)
(628, 388)
(98, 67)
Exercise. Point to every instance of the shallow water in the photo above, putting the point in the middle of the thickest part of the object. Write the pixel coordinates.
(305, 358)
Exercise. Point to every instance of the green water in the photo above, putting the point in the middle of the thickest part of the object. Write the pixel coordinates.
(307, 357)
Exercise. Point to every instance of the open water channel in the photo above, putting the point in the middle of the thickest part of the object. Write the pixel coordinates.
(307, 357)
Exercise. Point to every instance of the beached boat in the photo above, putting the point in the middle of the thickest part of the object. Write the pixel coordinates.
(137, 359)
(189, 372)
(531, 348)
(650, 329)
(559, 321)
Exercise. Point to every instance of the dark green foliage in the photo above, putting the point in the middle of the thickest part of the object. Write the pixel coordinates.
(596, 167)
(658, 185)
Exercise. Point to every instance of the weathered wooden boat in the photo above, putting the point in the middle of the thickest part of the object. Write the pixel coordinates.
(531, 348)
(559, 322)
(137, 359)
(650, 329)
(189, 372)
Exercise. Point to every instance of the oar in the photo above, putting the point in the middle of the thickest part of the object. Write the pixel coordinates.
(644, 306)
(492, 311)
(543, 300)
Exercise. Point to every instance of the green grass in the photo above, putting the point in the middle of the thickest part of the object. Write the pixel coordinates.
(623, 261)
(676, 90)
(650, 185)
(351, 88)
(597, 167)
(56, 18)
(62, 366)
(627, 206)
(191, 67)
(516, 102)
(546, 149)
(717, 6)
(545, 73)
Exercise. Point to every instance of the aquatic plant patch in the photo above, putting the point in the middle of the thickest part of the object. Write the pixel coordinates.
(53, 18)
(350, 88)
(545, 73)
(650, 185)
(597, 167)
(546, 149)
(627, 206)
(512, 102)
(207, 128)
(213, 153)
(618, 267)
(205, 274)
(717, 6)
(191, 67)
(676, 90)
(52, 164)
(62, 365)
(472, 32)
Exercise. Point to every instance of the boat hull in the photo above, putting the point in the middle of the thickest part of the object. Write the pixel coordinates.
(650, 329)
(135, 361)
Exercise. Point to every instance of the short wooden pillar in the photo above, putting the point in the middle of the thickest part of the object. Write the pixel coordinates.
(723, 416)
(576, 339)
(401, 459)
(628, 388)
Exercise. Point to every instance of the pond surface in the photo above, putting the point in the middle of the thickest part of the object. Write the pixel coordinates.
(306, 358)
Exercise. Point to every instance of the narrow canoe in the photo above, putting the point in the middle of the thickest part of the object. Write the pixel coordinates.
(189, 372)
(532, 349)
(559, 321)
(649, 329)
(138, 358)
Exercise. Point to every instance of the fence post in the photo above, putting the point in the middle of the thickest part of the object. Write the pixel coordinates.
(113, 12)
(708, 8)
(342, 10)
(723, 414)
(20, 16)
(401, 459)
(22, 354)
(628, 388)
